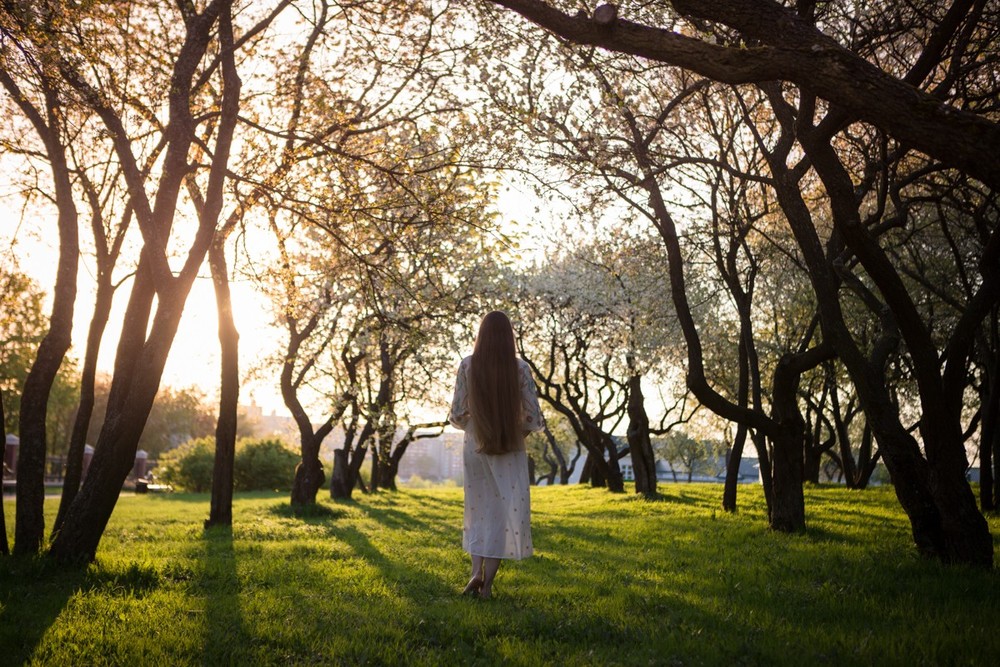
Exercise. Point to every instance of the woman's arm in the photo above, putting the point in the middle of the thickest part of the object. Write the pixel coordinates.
(533, 420)
(459, 415)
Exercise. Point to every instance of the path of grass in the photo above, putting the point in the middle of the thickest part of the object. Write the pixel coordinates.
(615, 580)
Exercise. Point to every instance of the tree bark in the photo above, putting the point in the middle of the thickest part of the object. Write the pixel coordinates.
(4, 546)
(640, 446)
(900, 451)
(731, 485)
(141, 357)
(309, 478)
(221, 506)
(729, 489)
(966, 536)
(29, 524)
(341, 482)
(788, 507)
(85, 410)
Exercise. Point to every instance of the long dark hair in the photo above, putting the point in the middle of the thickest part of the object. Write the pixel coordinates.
(494, 391)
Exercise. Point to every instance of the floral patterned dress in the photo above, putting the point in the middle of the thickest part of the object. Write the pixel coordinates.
(497, 521)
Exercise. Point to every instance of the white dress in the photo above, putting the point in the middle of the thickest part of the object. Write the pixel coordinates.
(497, 521)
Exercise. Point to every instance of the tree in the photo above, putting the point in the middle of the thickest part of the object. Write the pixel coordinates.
(148, 334)
(33, 83)
(690, 455)
(4, 546)
(902, 98)
(593, 325)
(785, 44)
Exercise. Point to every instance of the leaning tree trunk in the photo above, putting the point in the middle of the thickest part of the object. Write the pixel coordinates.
(347, 460)
(867, 461)
(85, 411)
(29, 524)
(4, 547)
(139, 364)
(733, 469)
(565, 470)
(221, 507)
(639, 444)
(742, 398)
(615, 480)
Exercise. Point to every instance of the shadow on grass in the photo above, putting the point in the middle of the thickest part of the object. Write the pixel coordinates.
(35, 591)
(410, 579)
(405, 521)
(315, 513)
(226, 635)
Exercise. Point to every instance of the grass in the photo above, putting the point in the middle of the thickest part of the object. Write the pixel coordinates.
(616, 580)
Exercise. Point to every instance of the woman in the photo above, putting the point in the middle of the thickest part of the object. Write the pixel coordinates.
(496, 404)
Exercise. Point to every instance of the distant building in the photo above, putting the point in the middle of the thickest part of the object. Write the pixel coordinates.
(435, 459)
(272, 425)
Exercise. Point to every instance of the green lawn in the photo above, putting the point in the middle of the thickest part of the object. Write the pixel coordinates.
(615, 580)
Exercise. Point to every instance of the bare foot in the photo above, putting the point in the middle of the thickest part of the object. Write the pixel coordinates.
(485, 591)
(474, 586)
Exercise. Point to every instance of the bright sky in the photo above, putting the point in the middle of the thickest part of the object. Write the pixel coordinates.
(194, 358)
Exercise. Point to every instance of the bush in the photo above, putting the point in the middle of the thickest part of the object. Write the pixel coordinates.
(263, 464)
(189, 466)
(260, 464)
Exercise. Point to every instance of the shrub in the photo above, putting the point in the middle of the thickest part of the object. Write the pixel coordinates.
(189, 466)
(260, 464)
(264, 464)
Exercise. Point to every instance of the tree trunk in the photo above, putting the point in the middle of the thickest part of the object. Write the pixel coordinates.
(383, 473)
(731, 486)
(341, 480)
(966, 533)
(733, 469)
(29, 524)
(347, 465)
(138, 365)
(309, 477)
(550, 476)
(788, 510)
(4, 547)
(85, 411)
(811, 458)
(840, 425)
(564, 470)
(221, 507)
(989, 432)
(614, 479)
(143, 349)
(640, 446)
(376, 482)
(867, 462)
(30, 520)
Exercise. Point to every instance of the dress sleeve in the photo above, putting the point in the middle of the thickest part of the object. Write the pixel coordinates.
(533, 420)
(459, 415)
